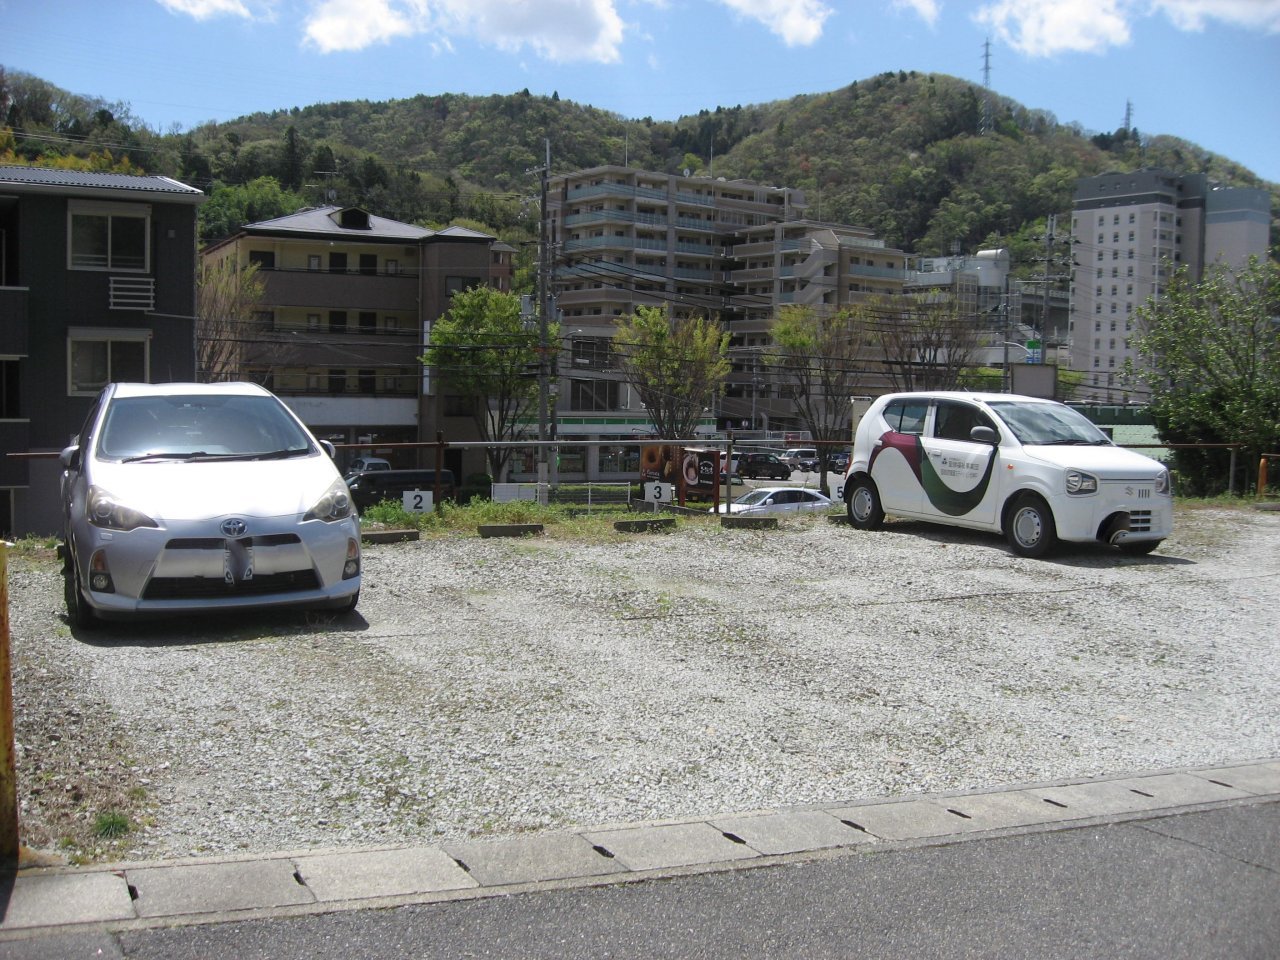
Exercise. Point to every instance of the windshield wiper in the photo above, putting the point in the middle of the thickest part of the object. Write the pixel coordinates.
(278, 454)
(164, 456)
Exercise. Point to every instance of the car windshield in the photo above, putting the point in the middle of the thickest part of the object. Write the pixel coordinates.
(199, 427)
(1048, 424)
(755, 496)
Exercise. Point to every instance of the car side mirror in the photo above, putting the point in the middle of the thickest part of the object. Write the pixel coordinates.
(984, 434)
(70, 457)
(328, 448)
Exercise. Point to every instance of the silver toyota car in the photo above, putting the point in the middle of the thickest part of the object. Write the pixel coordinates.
(181, 497)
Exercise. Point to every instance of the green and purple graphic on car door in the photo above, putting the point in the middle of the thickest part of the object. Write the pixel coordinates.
(954, 503)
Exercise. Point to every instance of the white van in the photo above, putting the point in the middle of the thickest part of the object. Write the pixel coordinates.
(1035, 470)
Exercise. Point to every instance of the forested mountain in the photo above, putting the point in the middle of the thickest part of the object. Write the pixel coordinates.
(903, 153)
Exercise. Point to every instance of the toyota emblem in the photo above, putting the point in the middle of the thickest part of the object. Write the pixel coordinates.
(234, 527)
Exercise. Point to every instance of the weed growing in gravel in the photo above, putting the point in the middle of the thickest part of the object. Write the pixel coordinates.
(111, 825)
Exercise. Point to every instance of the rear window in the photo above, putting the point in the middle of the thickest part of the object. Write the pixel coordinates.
(906, 416)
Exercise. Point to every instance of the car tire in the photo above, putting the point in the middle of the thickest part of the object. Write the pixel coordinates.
(1029, 527)
(79, 614)
(863, 503)
(350, 604)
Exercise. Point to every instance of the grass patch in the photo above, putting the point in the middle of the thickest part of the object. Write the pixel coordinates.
(569, 521)
(111, 825)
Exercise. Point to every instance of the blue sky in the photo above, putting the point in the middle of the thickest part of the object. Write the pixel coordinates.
(1204, 70)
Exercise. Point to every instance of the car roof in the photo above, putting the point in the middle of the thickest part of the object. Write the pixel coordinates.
(776, 489)
(964, 395)
(237, 388)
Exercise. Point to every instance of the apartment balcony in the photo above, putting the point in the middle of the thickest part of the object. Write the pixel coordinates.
(341, 291)
(616, 243)
(886, 273)
(614, 190)
(615, 216)
(13, 320)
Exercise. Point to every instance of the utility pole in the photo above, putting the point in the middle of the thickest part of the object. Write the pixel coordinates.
(985, 122)
(544, 306)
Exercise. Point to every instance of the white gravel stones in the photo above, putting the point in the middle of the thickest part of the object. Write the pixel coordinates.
(493, 687)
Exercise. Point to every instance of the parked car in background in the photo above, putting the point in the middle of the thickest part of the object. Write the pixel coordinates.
(365, 464)
(1035, 470)
(795, 455)
(809, 464)
(838, 461)
(755, 465)
(182, 497)
(768, 500)
(374, 486)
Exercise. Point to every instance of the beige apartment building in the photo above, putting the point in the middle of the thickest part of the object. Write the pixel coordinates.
(1132, 231)
(349, 300)
(733, 249)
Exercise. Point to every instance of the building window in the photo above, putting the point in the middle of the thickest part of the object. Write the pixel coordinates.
(393, 266)
(337, 321)
(96, 357)
(10, 394)
(337, 263)
(596, 395)
(369, 264)
(265, 259)
(593, 353)
(456, 405)
(313, 321)
(313, 262)
(337, 381)
(105, 236)
(368, 321)
(454, 285)
(367, 381)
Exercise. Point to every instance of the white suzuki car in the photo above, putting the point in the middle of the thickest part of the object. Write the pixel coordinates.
(184, 497)
(1035, 470)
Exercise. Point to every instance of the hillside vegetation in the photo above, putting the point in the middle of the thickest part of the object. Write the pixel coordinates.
(903, 153)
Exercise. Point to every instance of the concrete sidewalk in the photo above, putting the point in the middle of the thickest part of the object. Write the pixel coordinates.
(39, 902)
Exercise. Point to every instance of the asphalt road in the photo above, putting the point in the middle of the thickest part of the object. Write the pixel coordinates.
(1203, 884)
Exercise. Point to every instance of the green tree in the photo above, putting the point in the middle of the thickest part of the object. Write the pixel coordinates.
(822, 357)
(483, 350)
(231, 207)
(678, 365)
(1210, 355)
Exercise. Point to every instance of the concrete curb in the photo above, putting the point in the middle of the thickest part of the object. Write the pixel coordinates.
(40, 901)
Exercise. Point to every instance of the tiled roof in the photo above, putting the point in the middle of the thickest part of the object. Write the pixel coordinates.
(14, 174)
(328, 221)
(321, 220)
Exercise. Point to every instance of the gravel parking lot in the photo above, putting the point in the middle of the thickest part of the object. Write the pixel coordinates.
(491, 687)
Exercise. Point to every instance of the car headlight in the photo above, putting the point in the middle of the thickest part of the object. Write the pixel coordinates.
(334, 505)
(104, 510)
(1079, 482)
(1164, 482)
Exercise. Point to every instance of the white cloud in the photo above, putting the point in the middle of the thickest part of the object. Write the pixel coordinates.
(559, 30)
(355, 24)
(797, 22)
(205, 9)
(1252, 14)
(1042, 28)
(928, 10)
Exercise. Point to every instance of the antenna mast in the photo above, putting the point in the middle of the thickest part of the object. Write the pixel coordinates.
(985, 123)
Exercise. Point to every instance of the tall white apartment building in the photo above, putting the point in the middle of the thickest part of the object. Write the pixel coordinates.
(733, 249)
(1131, 232)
